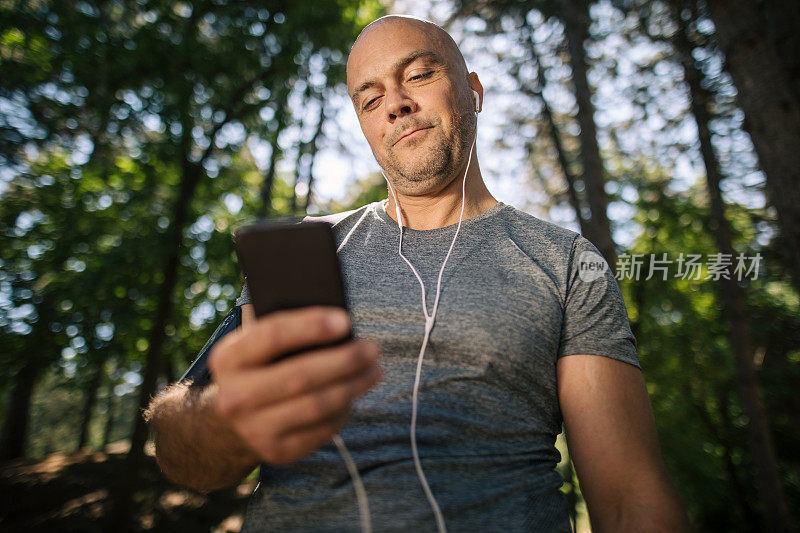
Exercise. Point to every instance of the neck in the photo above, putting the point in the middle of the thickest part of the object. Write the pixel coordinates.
(437, 209)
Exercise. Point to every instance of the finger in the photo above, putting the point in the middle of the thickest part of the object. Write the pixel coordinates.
(258, 432)
(276, 334)
(248, 315)
(299, 444)
(303, 441)
(261, 386)
(340, 420)
(322, 404)
(263, 428)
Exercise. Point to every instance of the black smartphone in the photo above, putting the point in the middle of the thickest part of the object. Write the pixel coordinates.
(288, 266)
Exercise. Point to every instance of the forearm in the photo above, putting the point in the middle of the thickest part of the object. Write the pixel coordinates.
(652, 507)
(194, 447)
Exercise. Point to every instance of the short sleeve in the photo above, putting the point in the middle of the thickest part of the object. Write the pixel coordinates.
(244, 297)
(595, 318)
(198, 371)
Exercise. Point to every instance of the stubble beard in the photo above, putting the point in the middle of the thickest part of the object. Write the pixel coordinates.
(433, 164)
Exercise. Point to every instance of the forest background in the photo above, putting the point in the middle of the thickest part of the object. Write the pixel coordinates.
(136, 135)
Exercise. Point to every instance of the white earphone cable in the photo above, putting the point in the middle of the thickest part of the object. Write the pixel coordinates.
(429, 323)
(361, 494)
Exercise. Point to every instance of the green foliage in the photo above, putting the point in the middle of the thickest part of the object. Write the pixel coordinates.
(686, 357)
(115, 112)
(370, 189)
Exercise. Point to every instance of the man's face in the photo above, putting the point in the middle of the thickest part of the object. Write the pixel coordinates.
(402, 77)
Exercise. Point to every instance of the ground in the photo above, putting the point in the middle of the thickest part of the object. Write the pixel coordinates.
(70, 493)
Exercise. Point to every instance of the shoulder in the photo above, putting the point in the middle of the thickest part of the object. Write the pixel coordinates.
(525, 222)
(537, 237)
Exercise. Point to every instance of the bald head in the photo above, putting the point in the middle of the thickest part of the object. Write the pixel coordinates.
(439, 39)
(413, 97)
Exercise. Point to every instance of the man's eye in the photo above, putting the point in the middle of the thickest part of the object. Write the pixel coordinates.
(370, 102)
(421, 76)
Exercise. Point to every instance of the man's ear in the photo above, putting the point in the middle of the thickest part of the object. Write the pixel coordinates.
(475, 85)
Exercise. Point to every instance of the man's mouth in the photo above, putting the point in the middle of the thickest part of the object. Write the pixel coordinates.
(411, 133)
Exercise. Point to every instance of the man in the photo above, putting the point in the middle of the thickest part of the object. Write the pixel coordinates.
(513, 337)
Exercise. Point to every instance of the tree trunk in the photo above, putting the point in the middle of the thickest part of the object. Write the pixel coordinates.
(297, 179)
(121, 509)
(561, 153)
(783, 20)
(14, 433)
(768, 97)
(576, 22)
(269, 178)
(302, 149)
(15, 423)
(748, 514)
(773, 499)
(697, 388)
(169, 370)
(189, 180)
(88, 403)
(313, 148)
(111, 405)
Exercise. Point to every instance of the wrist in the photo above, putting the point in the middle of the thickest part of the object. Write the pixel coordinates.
(194, 447)
(230, 442)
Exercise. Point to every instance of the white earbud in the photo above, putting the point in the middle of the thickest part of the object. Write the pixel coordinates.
(477, 99)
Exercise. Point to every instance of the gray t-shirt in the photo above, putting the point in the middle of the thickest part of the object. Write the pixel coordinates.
(512, 303)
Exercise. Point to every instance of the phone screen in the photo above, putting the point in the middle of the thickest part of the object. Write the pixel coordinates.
(290, 265)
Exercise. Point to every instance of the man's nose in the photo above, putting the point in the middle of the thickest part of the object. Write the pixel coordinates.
(399, 104)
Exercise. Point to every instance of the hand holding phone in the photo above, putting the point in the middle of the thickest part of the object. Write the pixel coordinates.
(284, 408)
(288, 266)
